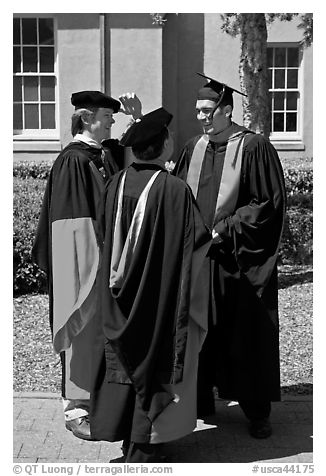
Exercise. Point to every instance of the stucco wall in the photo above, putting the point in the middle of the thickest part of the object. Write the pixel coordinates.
(125, 52)
(79, 66)
(221, 58)
(187, 45)
(195, 42)
(133, 61)
(308, 103)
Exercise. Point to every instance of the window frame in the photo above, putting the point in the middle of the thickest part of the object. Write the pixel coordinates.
(42, 134)
(287, 136)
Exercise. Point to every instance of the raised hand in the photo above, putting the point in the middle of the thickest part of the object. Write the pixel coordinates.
(131, 105)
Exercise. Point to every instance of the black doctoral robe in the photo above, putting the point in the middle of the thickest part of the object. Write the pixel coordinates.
(241, 354)
(67, 247)
(114, 156)
(145, 309)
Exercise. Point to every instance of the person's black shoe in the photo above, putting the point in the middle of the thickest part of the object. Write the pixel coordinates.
(260, 428)
(80, 427)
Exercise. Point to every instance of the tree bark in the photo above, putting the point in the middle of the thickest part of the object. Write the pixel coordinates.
(253, 72)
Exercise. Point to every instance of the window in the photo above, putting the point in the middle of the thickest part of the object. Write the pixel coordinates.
(34, 76)
(284, 86)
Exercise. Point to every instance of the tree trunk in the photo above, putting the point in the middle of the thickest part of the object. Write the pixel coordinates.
(253, 72)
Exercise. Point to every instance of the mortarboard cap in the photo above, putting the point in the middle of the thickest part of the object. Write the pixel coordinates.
(215, 90)
(146, 128)
(95, 99)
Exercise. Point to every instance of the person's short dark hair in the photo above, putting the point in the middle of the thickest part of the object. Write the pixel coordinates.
(227, 100)
(152, 149)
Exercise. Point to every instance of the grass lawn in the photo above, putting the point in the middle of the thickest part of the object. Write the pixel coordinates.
(37, 368)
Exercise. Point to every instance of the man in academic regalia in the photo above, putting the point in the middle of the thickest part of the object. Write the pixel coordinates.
(146, 364)
(237, 179)
(68, 243)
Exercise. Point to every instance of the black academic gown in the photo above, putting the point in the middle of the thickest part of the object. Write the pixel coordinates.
(114, 156)
(241, 351)
(67, 247)
(145, 316)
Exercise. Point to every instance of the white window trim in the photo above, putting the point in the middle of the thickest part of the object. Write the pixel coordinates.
(43, 134)
(291, 140)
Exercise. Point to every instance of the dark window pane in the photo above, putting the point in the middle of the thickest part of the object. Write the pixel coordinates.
(292, 81)
(269, 56)
(47, 116)
(279, 101)
(291, 122)
(279, 79)
(17, 117)
(16, 31)
(29, 31)
(17, 60)
(291, 101)
(278, 122)
(46, 36)
(293, 57)
(17, 88)
(270, 99)
(31, 89)
(47, 60)
(47, 88)
(269, 78)
(280, 57)
(31, 116)
(30, 60)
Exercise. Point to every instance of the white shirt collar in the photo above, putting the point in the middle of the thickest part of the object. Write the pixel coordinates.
(87, 140)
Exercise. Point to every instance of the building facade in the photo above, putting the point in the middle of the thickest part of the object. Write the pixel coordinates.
(57, 54)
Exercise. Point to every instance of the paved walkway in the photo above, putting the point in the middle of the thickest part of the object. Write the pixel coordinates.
(40, 436)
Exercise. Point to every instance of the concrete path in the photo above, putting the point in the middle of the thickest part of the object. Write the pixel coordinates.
(40, 436)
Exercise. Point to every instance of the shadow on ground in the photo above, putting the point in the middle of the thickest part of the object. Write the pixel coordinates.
(295, 275)
(297, 389)
(40, 436)
(224, 438)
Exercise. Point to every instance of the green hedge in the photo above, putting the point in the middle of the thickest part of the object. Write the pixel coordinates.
(29, 186)
(28, 194)
(24, 169)
(297, 240)
(298, 181)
